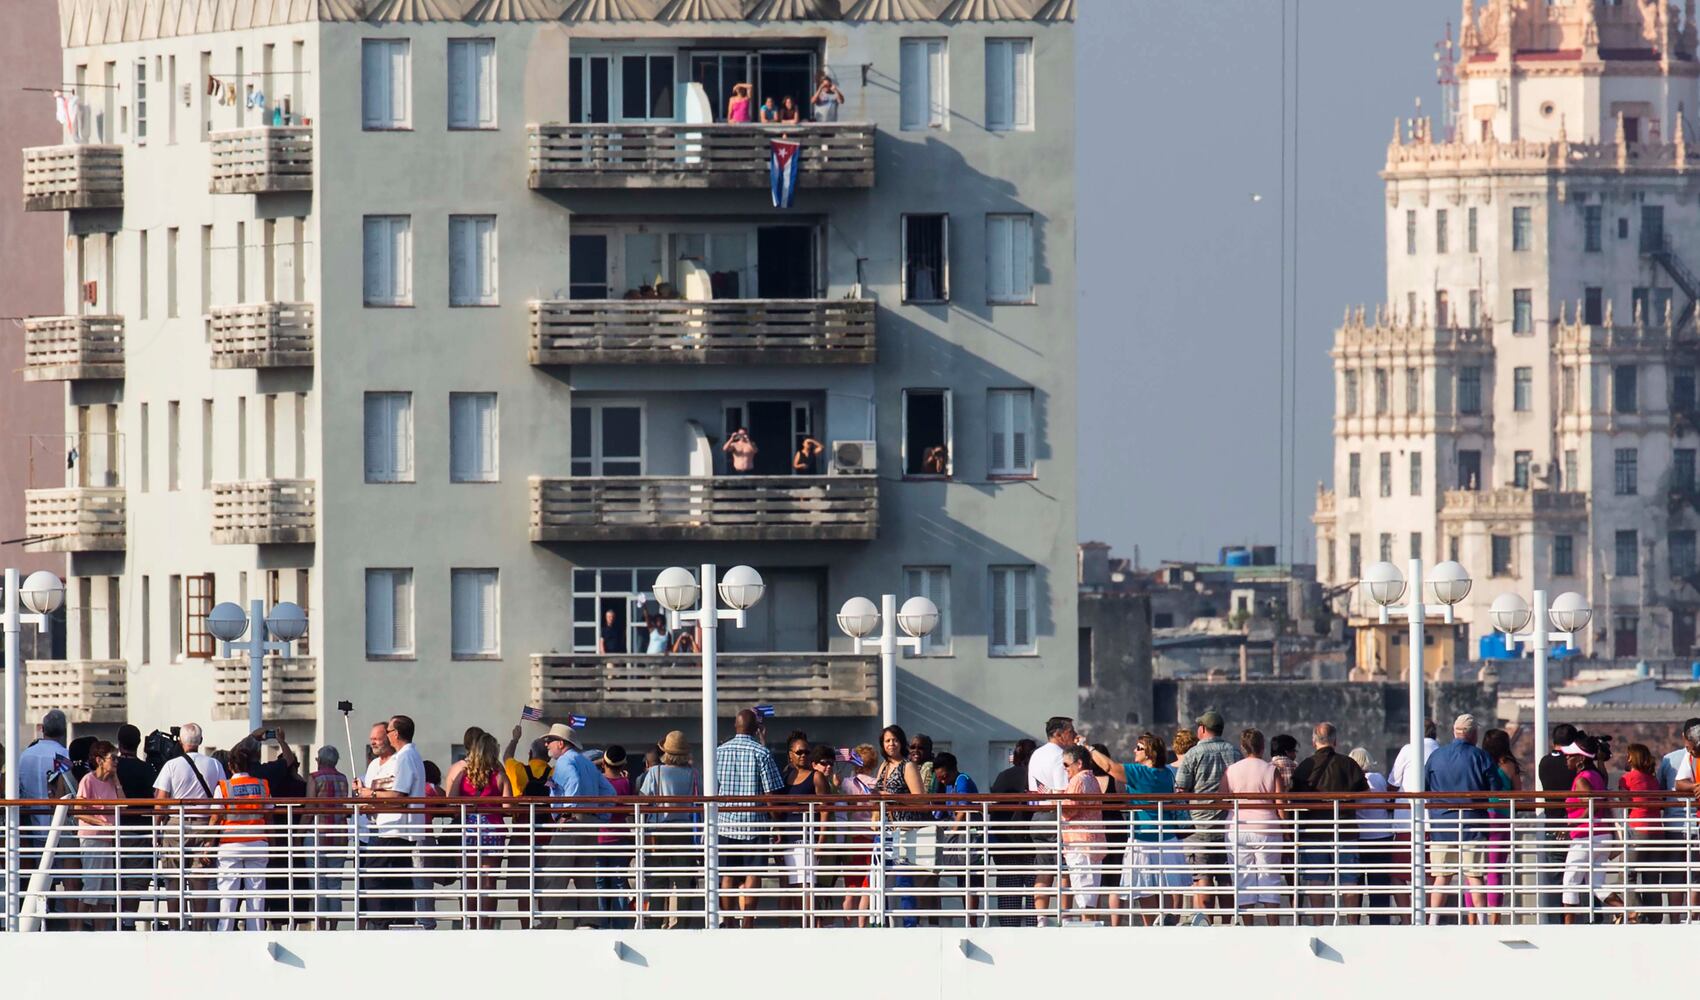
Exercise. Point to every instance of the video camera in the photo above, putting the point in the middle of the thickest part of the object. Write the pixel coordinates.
(159, 747)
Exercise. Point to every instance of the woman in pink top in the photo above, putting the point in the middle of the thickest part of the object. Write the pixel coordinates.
(95, 828)
(1082, 828)
(1257, 824)
(1590, 838)
(738, 107)
(484, 832)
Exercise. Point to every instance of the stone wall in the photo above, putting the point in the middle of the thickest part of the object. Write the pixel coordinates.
(1115, 632)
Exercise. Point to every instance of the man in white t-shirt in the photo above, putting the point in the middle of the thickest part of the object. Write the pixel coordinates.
(190, 776)
(1405, 773)
(393, 835)
(1045, 773)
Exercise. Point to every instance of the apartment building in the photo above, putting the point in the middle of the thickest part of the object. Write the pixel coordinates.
(436, 319)
(1525, 402)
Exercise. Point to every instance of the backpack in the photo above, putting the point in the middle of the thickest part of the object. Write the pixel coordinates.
(535, 787)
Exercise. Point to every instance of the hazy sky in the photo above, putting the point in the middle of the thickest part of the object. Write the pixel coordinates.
(1180, 273)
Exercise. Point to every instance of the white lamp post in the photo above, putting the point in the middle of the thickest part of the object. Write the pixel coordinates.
(918, 617)
(42, 593)
(285, 624)
(677, 590)
(1569, 615)
(1383, 585)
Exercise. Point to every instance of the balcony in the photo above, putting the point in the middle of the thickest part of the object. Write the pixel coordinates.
(262, 160)
(75, 519)
(726, 332)
(797, 685)
(1509, 502)
(262, 335)
(289, 689)
(87, 691)
(69, 348)
(264, 512)
(705, 508)
(57, 178)
(679, 155)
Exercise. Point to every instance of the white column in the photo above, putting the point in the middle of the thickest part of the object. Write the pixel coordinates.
(256, 661)
(708, 616)
(888, 659)
(1419, 853)
(14, 693)
(1538, 626)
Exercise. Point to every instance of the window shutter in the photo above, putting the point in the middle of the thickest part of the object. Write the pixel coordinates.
(1022, 584)
(935, 83)
(460, 84)
(1020, 58)
(998, 85)
(486, 232)
(460, 261)
(399, 84)
(1000, 608)
(374, 96)
(401, 434)
(1021, 426)
(485, 461)
(402, 614)
(1021, 257)
(380, 612)
(378, 437)
(376, 262)
(998, 418)
(487, 611)
(461, 438)
(400, 261)
(999, 251)
(462, 600)
(915, 85)
(484, 72)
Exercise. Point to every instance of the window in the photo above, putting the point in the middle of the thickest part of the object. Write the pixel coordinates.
(141, 98)
(1354, 486)
(472, 83)
(1522, 228)
(1566, 389)
(933, 583)
(1682, 389)
(1520, 461)
(927, 445)
(389, 613)
(1627, 553)
(1652, 228)
(924, 83)
(1522, 311)
(171, 273)
(385, 84)
(607, 440)
(1009, 84)
(1009, 259)
(1572, 478)
(1011, 633)
(145, 469)
(596, 591)
(1522, 389)
(1623, 389)
(472, 260)
(1442, 310)
(1386, 474)
(1626, 465)
(926, 258)
(147, 620)
(389, 260)
(474, 613)
(1591, 228)
(1470, 390)
(1416, 473)
(472, 437)
(1386, 550)
(1501, 555)
(646, 88)
(1593, 306)
(1682, 554)
(1410, 231)
(1416, 545)
(173, 445)
(1682, 470)
(198, 600)
(1622, 228)
(1475, 308)
(389, 437)
(1411, 307)
(1469, 469)
(207, 423)
(1354, 556)
(1563, 555)
(1351, 391)
(1413, 391)
(1440, 234)
(1382, 390)
(1010, 416)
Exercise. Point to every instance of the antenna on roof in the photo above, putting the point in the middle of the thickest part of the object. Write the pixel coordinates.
(1446, 74)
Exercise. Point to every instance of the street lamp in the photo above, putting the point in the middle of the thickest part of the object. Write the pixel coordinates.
(1383, 585)
(42, 593)
(917, 618)
(285, 624)
(677, 590)
(1569, 615)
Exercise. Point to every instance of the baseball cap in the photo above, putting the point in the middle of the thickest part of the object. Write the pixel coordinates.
(1211, 720)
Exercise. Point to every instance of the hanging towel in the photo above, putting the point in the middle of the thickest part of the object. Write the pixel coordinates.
(66, 112)
(256, 99)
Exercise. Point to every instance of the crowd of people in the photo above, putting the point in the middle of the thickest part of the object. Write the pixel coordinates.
(1265, 834)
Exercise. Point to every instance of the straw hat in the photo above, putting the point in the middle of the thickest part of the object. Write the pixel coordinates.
(675, 743)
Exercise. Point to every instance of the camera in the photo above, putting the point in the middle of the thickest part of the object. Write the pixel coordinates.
(345, 706)
(269, 736)
(160, 746)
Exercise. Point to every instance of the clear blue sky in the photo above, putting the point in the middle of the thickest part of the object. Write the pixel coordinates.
(1180, 274)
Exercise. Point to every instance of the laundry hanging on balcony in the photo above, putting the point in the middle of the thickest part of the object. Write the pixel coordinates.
(784, 159)
(68, 112)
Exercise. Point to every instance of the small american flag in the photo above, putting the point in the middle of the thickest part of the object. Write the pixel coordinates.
(765, 711)
(531, 713)
(576, 721)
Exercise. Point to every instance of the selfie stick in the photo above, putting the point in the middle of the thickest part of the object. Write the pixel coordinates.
(347, 707)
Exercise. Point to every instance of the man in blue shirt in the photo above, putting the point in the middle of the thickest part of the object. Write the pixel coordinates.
(1455, 832)
(571, 776)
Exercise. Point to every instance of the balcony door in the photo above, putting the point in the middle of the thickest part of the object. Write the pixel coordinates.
(789, 619)
(785, 262)
(608, 439)
(588, 275)
(776, 74)
(777, 428)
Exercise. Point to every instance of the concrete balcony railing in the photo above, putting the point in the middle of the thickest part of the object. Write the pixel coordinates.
(262, 335)
(717, 508)
(797, 685)
(262, 160)
(678, 155)
(57, 178)
(87, 691)
(289, 689)
(75, 519)
(1510, 502)
(69, 348)
(726, 332)
(264, 512)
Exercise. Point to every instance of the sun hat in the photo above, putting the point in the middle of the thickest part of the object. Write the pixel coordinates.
(560, 731)
(1572, 750)
(675, 743)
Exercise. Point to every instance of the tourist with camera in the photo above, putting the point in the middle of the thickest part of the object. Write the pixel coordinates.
(191, 775)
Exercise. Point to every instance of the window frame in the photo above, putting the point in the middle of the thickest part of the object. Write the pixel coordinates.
(392, 225)
(1005, 398)
(1522, 389)
(1626, 472)
(993, 267)
(483, 119)
(1565, 566)
(484, 279)
(1522, 228)
(200, 596)
(944, 256)
(949, 433)
(492, 436)
(930, 647)
(410, 650)
(382, 396)
(403, 122)
(492, 650)
(597, 459)
(938, 111)
(1016, 573)
(1022, 104)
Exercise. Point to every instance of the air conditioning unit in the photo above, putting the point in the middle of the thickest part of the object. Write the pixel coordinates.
(854, 458)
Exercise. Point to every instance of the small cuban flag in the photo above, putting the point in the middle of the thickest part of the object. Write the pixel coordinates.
(765, 711)
(576, 721)
(531, 713)
(782, 165)
(849, 756)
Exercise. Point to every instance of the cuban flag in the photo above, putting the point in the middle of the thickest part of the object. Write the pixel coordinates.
(849, 756)
(531, 713)
(765, 711)
(576, 721)
(782, 164)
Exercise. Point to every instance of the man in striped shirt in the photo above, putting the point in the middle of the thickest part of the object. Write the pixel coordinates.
(742, 766)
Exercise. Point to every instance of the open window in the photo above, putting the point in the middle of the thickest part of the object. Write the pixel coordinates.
(776, 427)
(199, 643)
(926, 258)
(928, 450)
